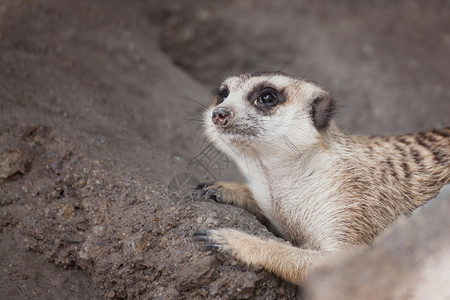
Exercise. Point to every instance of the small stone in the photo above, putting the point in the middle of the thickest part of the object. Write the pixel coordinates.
(98, 230)
(211, 221)
(67, 211)
(13, 161)
(196, 274)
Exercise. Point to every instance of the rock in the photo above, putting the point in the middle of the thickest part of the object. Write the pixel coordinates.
(137, 243)
(13, 161)
(7, 219)
(67, 211)
(197, 274)
(411, 261)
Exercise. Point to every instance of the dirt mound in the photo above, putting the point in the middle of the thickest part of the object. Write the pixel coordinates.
(130, 233)
(96, 125)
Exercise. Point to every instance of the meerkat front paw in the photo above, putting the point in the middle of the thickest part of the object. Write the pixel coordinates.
(206, 235)
(223, 240)
(238, 244)
(208, 190)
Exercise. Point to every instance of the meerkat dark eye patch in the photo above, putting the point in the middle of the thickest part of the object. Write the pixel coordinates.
(322, 110)
(267, 97)
(264, 98)
(221, 94)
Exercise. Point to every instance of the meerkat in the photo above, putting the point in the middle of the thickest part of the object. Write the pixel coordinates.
(322, 190)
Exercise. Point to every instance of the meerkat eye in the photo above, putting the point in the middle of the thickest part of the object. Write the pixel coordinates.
(267, 97)
(222, 95)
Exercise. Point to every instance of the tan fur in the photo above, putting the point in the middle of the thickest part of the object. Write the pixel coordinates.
(239, 195)
(277, 257)
(322, 190)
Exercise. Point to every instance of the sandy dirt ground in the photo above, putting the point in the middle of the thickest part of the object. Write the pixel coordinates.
(100, 139)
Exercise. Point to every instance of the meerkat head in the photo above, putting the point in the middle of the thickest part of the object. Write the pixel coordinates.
(268, 111)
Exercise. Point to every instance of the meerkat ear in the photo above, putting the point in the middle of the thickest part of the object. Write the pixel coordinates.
(322, 110)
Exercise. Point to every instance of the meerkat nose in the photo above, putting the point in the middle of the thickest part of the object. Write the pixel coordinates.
(221, 116)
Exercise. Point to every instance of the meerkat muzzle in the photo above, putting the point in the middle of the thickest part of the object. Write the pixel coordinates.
(221, 116)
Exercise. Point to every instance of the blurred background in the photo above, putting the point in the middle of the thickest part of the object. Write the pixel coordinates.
(150, 65)
(386, 62)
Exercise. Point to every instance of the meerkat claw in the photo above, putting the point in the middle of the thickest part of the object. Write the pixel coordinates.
(204, 236)
(213, 194)
(206, 192)
(201, 232)
(201, 235)
(210, 247)
(199, 187)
